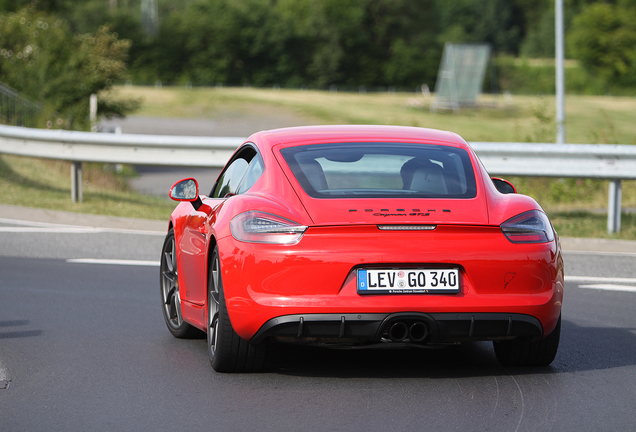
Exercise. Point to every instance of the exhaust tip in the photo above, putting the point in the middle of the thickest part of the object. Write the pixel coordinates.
(418, 332)
(398, 332)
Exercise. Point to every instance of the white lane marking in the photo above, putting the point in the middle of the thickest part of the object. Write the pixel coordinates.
(76, 230)
(27, 223)
(61, 230)
(599, 279)
(604, 283)
(629, 254)
(43, 227)
(113, 262)
(610, 287)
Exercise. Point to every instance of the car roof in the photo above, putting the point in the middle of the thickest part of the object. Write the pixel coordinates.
(355, 133)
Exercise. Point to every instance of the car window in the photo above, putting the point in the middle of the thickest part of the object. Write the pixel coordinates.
(254, 172)
(240, 174)
(382, 170)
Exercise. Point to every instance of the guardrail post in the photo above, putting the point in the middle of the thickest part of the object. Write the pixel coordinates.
(614, 207)
(76, 182)
(92, 112)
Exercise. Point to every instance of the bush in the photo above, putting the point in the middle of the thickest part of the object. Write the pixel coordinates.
(538, 76)
(46, 62)
(602, 38)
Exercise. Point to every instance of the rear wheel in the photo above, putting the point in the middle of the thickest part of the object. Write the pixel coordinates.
(528, 352)
(228, 351)
(169, 285)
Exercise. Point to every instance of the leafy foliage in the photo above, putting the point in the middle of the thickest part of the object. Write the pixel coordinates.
(497, 22)
(47, 62)
(295, 42)
(353, 43)
(603, 38)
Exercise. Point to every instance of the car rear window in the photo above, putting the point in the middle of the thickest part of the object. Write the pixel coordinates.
(382, 170)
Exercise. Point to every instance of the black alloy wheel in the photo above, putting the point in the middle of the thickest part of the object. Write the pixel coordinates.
(227, 350)
(213, 307)
(169, 285)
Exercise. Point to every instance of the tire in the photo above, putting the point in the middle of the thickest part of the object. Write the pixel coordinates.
(169, 287)
(527, 352)
(228, 351)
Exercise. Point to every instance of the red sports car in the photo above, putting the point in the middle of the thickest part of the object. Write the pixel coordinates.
(360, 236)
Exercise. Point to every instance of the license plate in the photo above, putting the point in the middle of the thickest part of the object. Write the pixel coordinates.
(408, 281)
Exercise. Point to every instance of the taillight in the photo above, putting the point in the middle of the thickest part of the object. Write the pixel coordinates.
(262, 227)
(529, 227)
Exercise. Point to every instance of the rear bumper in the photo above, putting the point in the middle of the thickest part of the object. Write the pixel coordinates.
(269, 288)
(402, 327)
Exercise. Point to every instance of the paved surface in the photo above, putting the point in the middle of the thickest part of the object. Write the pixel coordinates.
(155, 180)
(231, 123)
(83, 346)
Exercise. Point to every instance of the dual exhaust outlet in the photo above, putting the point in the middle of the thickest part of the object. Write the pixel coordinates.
(402, 332)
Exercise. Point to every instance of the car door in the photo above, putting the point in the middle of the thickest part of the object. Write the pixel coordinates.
(240, 173)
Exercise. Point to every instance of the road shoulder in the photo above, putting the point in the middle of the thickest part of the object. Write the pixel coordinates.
(55, 217)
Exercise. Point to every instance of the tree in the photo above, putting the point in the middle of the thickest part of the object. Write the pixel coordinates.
(603, 39)
(44, 60)
(498, 22)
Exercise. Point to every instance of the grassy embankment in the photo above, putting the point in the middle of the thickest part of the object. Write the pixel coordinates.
(575, 206)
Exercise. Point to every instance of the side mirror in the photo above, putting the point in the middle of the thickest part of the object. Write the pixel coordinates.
(503, 186)
(186, 190)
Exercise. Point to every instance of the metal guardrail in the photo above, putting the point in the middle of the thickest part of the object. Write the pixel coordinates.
(611, 162)
(600, 161)
(118, 148)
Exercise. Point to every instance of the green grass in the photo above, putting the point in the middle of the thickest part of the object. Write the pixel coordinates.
(591, 225)
(573, 204)
(46, 184)
(589, 119)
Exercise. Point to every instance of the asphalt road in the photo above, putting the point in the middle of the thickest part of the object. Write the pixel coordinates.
(83, 346)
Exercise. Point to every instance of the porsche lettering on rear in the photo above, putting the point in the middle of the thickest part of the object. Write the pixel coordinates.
(400, 214)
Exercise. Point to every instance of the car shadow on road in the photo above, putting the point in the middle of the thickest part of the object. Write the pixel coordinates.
(585, 348)
(581, 349)
(11, 334)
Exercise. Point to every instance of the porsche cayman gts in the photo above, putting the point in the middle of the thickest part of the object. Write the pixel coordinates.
(360, 236)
